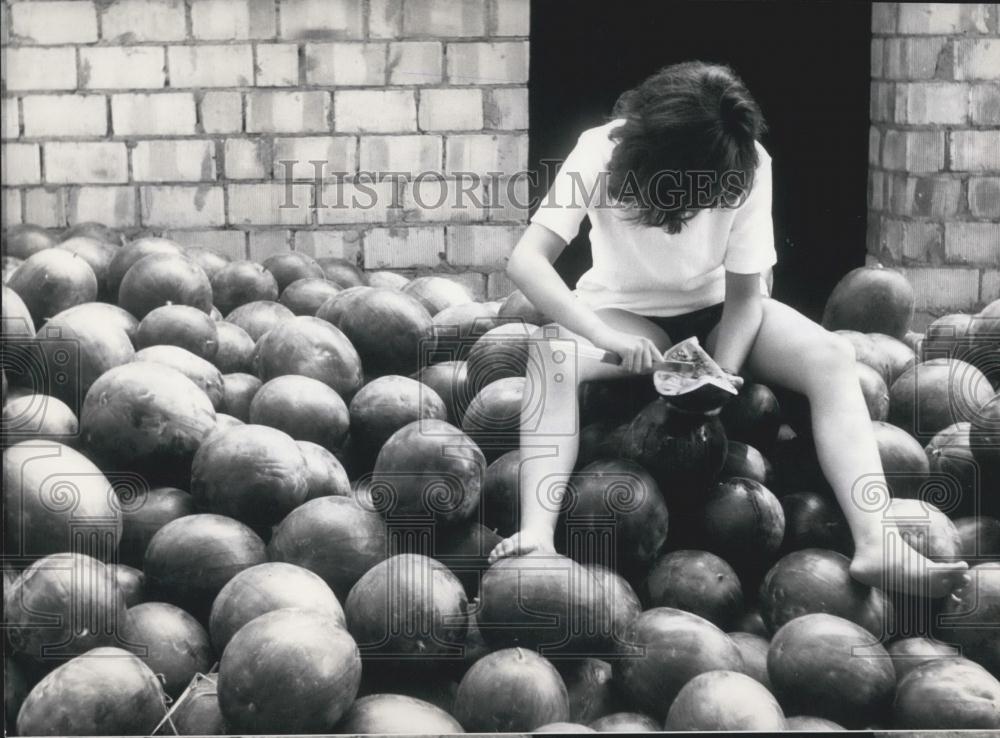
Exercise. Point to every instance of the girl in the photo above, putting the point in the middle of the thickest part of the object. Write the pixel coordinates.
(678, 191)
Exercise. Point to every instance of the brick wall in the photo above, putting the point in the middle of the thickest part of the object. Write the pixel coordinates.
(192, 118)
(934, 181)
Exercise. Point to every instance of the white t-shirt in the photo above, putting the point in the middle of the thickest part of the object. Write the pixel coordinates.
(646, 270)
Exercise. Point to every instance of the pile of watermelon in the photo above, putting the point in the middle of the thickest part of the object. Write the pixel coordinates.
(259, 498)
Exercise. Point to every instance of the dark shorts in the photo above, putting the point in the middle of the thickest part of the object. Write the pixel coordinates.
(698, 323)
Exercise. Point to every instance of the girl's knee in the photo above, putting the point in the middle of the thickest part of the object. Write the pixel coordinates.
(832, 353)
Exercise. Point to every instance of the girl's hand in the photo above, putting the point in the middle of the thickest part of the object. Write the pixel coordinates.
(638, 353)
(522, 543)
(735, 379)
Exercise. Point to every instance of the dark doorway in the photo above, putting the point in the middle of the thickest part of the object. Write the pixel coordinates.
(808, 65)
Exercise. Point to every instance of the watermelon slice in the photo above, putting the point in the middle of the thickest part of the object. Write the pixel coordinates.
(693, 381)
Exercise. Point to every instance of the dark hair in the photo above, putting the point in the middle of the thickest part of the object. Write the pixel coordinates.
(687, 143)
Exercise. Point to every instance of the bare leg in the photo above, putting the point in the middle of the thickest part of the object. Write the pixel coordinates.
(549, 443)
(793, 352)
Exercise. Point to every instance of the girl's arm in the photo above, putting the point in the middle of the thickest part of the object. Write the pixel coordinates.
(530, 268)
(741, 317)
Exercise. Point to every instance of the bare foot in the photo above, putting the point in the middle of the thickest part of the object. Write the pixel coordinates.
(522, 544)
(890, 563)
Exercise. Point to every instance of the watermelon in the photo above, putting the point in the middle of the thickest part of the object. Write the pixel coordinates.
(201, 372)
(909, 653)
(305, 408)
(305, 296)
(131, 583)
(292, 265)
(698, 582)
(428, 469)
(252, 473)
(946, 338)
(132, 252)
(288, 671)
(665, 649)
(500, 495)
(952, 462)
(809, 723)
(743, 522)
(171, 643)
(48, 490)
(897, 357)
(969, 617)
(950, 693)
(518, 307)
(209, 261)
(725, 700)
(52, 281)
(238, 391)
(979, 537)
(591, 690)
(984, 434)
(437, 293)
(98, 255)
(198, 713)
(106, 691)
(313, 348)
(619, 501)
(571, 728)
(875, 391)
(396, 713)
(259, 316)
(391, 330)
(753, 649)
(753, 417)
(96, 231)
(17, 321)
(389, 403)
(190, 559)
(814, 580)
(746, 461)
(984, 341)
(389, 280)
(265, 588)
(179, 325)
(36, 418)
(929, 397)
(815, 520)
(449, 379)
(493, 418)
(76, 599)
(511, 690)
(499, 353)
(683, 451)
(410, 609)
(626, 722)
(241, 282)
(146, 514)
(93, 344)
(335, 537)
(235, 348)
(871, 299)
(823, 665)
(325, 475)
(903, 460)
(164, 279)
(342, 272)
(553, 604)
(458, 327)
(24, 240)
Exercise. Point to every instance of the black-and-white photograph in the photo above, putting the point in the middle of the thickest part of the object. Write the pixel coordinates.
(426, 367)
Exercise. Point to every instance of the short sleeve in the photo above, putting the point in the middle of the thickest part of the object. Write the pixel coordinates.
(751, 238)
(565, 205)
